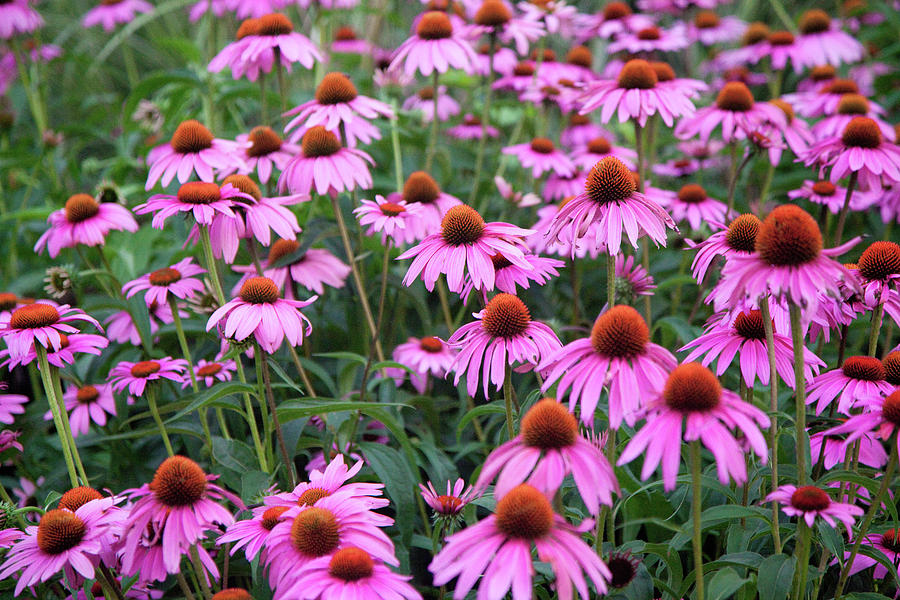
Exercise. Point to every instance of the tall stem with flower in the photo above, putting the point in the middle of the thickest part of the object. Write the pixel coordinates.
(797, 336)
(49, 389)
(773, 411)
(696, 512)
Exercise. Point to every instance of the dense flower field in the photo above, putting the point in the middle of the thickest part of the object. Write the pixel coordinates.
(381, 299)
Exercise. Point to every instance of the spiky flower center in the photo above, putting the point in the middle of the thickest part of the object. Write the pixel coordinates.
(462, 225)
(577, 120)
(892, 368)
(259, 290)
(391, 209)
(890, 409)
(505, 316)
(599, 146)
(580, 56)
(548, 54)
(280, 249)
(272, 517)
(861, 132)
(789, 237)
(232, 594)
(492, 13)
(247, 27)
(649, 34)
(87, 394)
(431, 344)
(471, 120)
(81, 207)
(750, 325)
(609, 181)
(824, 188)
(426, 93)
(263, 141)
(199, 192)
(351, 564)
(145, 368)
(191, 136)
(880, 260)
(663, 70)
(274, 24)
(59, 530)
(809, 498)
(311, 496)
(691, 387)
(450, 505)
(822, 73)
(542, 145)
(523, 70)
(706, 20)
(500, 262)
(616, 10)
(549, 426)
(864, 368)
(785, 107)
(692, 194)
(524, 513)
(209, 370)
(8, 301)
(421, 187)
(735, 96)
(318, 141)
(315, 532)
(637, 74)
(623, 570)
(755, 33)
(434, 25)
(336, 88)
(890, 540)
(839, 87)
(620, 332)
(33, 316)
(742, 232)
(164, 277)
(178, 481)
(77, 497)
(853, 104)
(781, 38)
(814, 21)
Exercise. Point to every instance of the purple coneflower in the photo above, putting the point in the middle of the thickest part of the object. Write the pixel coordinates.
(135, 376)
(428, 356)
(825, 193)
(83, 221)
(259, 310)
(737, 237)
(41, 323)
(499, 548)
(179, 280)
(693, 394)
(263, 152)
(451, 503)
(580, 130)
(691, 204)
(397, 221)
(879, 272)
(251, 534)
(203, 200)
(859, 380)
(70, 345)
(191, 149)
(822, 42)
(435, 47)
(709, 29)
(326, 166)
(871, 452)
(89, 403)
(599, 148)
(211, 372)
(888, 543)
(313, 270)
(273, 37)
(346, 41)
(851, 105)
(861, 150)
(110, 13)
(508, 276)
(471, 129)
(651, 39)
(11, 405)
(615, 19)
(332, 481)
(735, 110)
(423, 101)
(809, 502)
(17, 16)
(541, 156)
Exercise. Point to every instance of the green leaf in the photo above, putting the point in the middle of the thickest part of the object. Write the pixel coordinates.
(776, 574)
(299, 409)
(831, 538)
(233, 455)
(253, 484)
(724, 584)
(493, 408)
(399, 481)
(209, 397)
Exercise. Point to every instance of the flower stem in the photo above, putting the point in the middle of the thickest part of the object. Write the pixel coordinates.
(211, 264)
(842, 218)
(183, 584)
(262, 376)
(395, 146)
(263, 109)
(303, 375)
(803, 545)
(182, 340)
(873, 508)
(154, 410)
(610, 280)
(875, 330)
(485, 117)
(357, 279)
(432, 138)
(732, 175)
(199, 572)
(251, 417)
(67, 427)
(445, 305)
(799, 392)
(54, 410)
(507, 397)
(696, 510)
(279, 75)
(114, 585)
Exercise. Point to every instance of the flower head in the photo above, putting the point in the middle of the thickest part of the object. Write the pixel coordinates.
(191, 149)
(179, 280)
(136, 375)
(83, 221)
(428, 356)
(202, 201)
(451, 503)
(40, 323)
(397, 221)
(860, 149)
(110, 13)
(435, 47)
(325, 165)
(809, 502)
(542, 156)
(313, 269)
(735, 110)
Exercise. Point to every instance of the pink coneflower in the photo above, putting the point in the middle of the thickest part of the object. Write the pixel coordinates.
(339, 108)
(879, 273)
(832, 196)
(547, 449)
(789, 263)
(211, 372)
(397, 221)
(313, 270)
(179, 280)
(234, 56)
(541, 156)
(519, 199)
(346, 41)
(796, 132)
(464, 246)
(120, 325)
(615, 19)
(781, 48)
(859, 380)
(809, 502)
(326, 166)
(635, 94)
(820, 42)
(471, 129)
(425, 357)
(691, 204)
(496, 17)
(519, 79)
(505, 60)
(41, 323)
(89, 403)
(435, 47)
(651, 39)
(84, 221)
(882, 414)
(202, 200)
(508, 276)
(824, 100)
(8, 439)
(135, 376)
(70, 345)
(191, 149)
(736, 112)
(580, 130)
(263, 152)
(632, 280)
(65, 540)
(451, 503)
(599, 148)
(887, 543)
(11, 405)
(559, 188)
(871, 452)
(850, 106)
(618, 354)
(349, 572)
(860, 150)
(251, 534)
(17, 16)
(110, 13)
(738, 237)
(503, 334)
(499, 548)
(693, 393)
(260, 311)
(334, 481)
(423, 101)
(311, 531)
(273, 37)
(709, 29)
(745, 338)
(180, 503)
(611, 200)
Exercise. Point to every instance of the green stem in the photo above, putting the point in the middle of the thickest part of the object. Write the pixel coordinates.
(804, 542)
(67, 427)
(611, 458)
(445, 305)
(54, 410)
(842, 218)
(263, 105)
(395, 146)
(773, 411)
(251, 417)
(870, 515)
(875, 330)
(130, 66)
(507, 397)
(279, 75)
(303, 375)
(182, 340)
(114, 587)
(262, 371)
(610, 280)
(485, 117)
(696, 511)
(799, 392)
(732, 175)
(154, 410)
(211, 264)
(200, 573)
(432, 138)
(183, 584)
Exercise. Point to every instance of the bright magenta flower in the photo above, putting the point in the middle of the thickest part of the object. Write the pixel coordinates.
(808, 502)
(83, 221)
